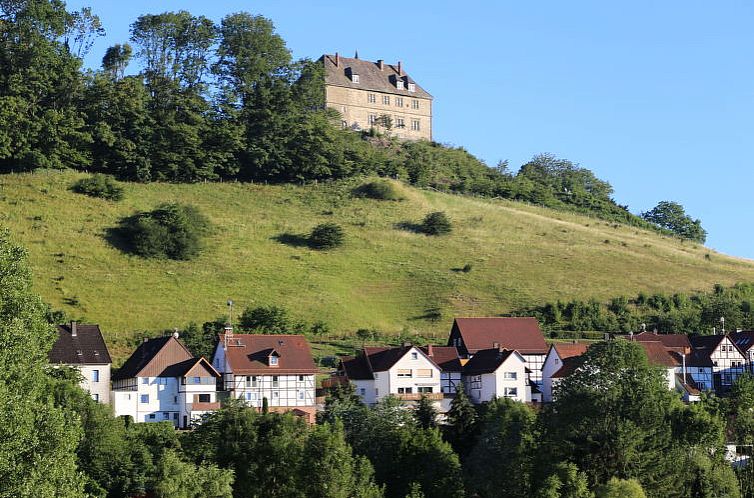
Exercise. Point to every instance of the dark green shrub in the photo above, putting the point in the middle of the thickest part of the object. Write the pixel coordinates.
(173, 231)
(326, 236)
(380, 189)
(466, 268)
(436, 223)
(99, 185)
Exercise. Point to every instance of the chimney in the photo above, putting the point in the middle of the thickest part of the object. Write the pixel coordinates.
(495, 345)
(381, 64)
(337, 59)
(74, 330)
(429, 350)
(400, 69)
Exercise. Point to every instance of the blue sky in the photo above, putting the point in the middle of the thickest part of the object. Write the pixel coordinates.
(655, 97)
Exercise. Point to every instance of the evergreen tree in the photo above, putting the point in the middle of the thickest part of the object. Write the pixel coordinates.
(426, 413)
(461, 428)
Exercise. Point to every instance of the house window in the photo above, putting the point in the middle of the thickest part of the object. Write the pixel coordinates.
(398, 101)
(404, 372)
(424, 373)
(405, 390)
(425, 390)
(386, 99)
(151, 416)
(204, 398)
(251, 396)
(145, 380)
(399, 84)
(372, 119)
(510, 392)
(95, 397)
(95, 375)
(165, 416)
(400, 123)
(376, 392)
(275, 381)
(412, 87)
(414, 104)
(355, 78)
(301, 395)
(301, 378)
(175, 400)
(273, 360)
(275, 395)
(415, 126)
(145, 398)
(162, 381)
(414, 356)
(510, 375)
(371, 98)
(362, 392)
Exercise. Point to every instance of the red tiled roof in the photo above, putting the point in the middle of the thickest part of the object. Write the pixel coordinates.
(569, 349)
(690, 385)
(249, 353)
(446, 357)
(521, 334)
(658, 354)
(487, 361)
(675, 341)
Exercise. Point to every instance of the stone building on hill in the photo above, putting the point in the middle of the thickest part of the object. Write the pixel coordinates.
(377, 95)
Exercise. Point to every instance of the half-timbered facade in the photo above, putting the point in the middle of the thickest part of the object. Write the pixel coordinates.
(728, 362)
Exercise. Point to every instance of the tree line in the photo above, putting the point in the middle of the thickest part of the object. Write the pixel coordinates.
(228, 101)
(698, 312)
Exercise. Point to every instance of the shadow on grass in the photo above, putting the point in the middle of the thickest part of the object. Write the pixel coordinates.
(430, 315)
(409, 226)
(292, 239)
(117, 238)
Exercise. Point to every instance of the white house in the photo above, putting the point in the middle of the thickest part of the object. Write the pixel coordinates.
(83, 347)
(277, 368)
(554, 359)
(496, 373)
(163, 381)
(446, 357)
(727, 361)
(470, 335)
(406, 372)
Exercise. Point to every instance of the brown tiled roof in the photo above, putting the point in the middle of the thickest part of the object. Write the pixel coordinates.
(487, 361)
(744, 339)
(679, 342)
(569, 366)
(521, 334)
(694, 359)
(569, 349)
(446, 357)
(370, 76)
(154, 358)
(355, 368)
(658, 354)
(193, 367)
(87, 347)
(248, 354)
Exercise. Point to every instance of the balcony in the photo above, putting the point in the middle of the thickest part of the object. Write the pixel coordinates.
(418, 396)
(204, 407)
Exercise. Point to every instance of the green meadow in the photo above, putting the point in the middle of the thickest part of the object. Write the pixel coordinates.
(386, 276)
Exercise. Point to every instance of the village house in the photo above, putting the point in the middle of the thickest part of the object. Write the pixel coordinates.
(470, 335)
(377, 95)
(744, 340)
(496, 373)
(672, 342)
(727, 361)
(163, 381)
(274, 369)
(406, 372)
(555, 362)
(446, 357)
(82, 347)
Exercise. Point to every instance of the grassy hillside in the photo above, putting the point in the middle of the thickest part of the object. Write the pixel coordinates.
(385, 276)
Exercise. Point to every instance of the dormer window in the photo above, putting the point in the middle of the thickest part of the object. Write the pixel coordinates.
(355, 78)
(412, 87)
(273, 359)
(399, 84)
(352, 75)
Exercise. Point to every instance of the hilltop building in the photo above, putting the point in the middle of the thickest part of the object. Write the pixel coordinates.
(377, 95)
(83, 347)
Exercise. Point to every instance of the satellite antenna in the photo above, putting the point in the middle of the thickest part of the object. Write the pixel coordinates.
(229, 326)
(230, 312)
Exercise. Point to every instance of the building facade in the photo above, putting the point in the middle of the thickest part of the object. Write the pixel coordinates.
(276, 368)
(163, 382)
(496, 373)
(555, 361)
(377, 95)
(82, 347)
(727, 361)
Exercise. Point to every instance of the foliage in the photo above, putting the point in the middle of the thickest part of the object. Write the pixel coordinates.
(171, 231)
(621, 488)
(37, 439)
(671, 216)
(326, 236)
(267, 319)
(461, 422)
(676, 313)
(380, 189)
(425, 413)
(436, 223)
(99, 185)
(178, 479)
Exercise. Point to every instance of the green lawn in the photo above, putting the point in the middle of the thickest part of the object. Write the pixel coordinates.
(384, 276)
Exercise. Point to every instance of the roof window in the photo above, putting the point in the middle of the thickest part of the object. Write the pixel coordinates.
(412, 87)
(353, 75)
